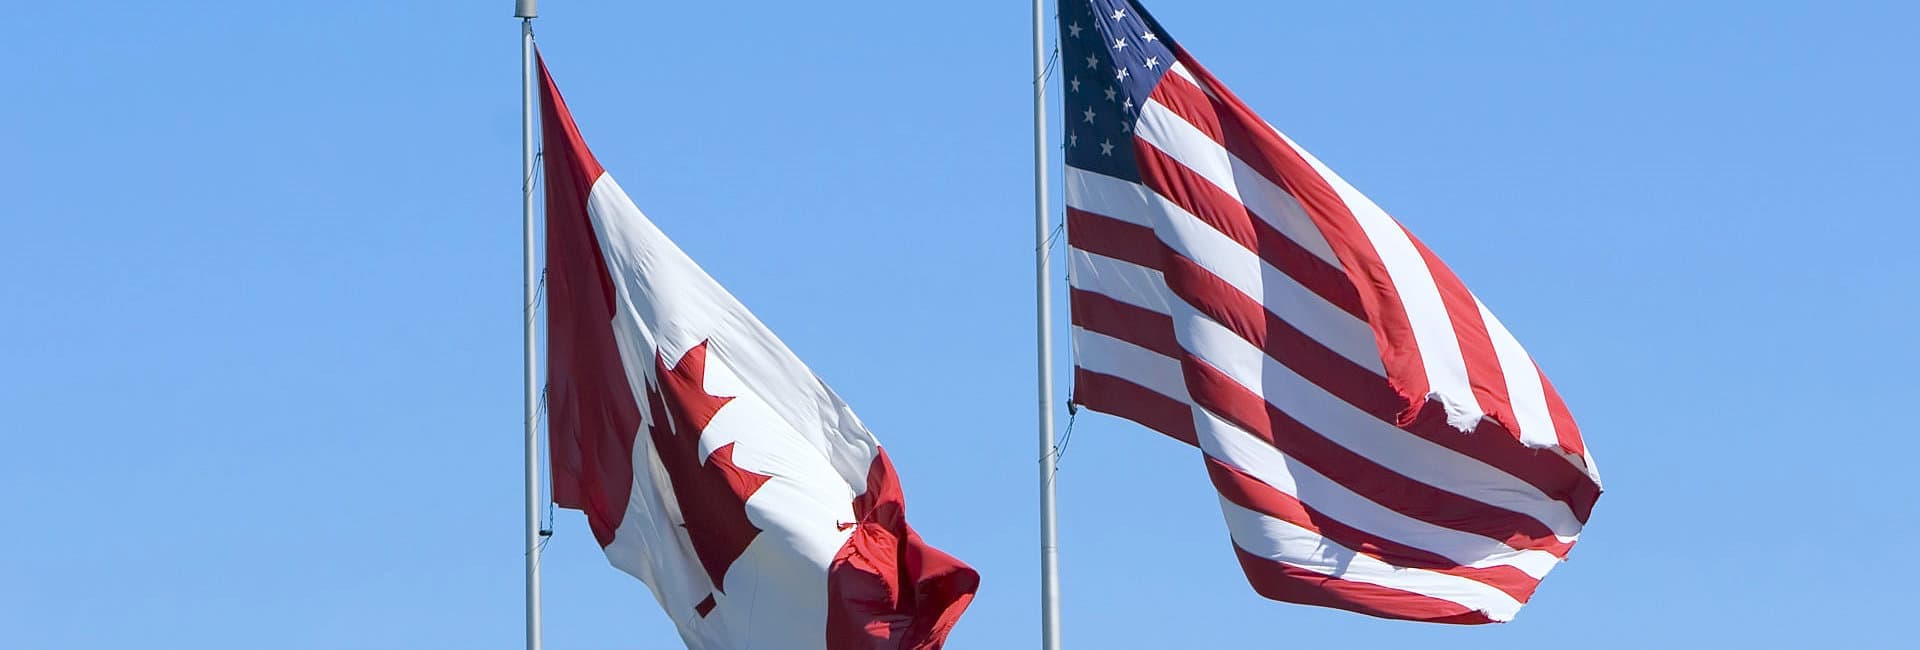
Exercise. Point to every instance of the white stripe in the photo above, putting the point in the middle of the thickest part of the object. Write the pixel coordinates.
(1433, 332)
(1295, 546)
(1167, 131)
(1350, 427)
(1123, 281)
(1230, 444)
(1240, 268)
(1524, 390)
(1108, 196)
(1110, 356)
(1180, 68)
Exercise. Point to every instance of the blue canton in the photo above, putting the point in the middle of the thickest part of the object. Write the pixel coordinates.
(1111, 58)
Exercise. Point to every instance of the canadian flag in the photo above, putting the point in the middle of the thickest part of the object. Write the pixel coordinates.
(710, 462)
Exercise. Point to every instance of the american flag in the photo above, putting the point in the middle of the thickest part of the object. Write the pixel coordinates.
(1379, 441)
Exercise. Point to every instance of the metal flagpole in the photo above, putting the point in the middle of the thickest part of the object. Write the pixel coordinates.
(1049, 542)
(525, 10)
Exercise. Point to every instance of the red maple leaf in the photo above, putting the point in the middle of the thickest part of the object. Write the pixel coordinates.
(712, 494)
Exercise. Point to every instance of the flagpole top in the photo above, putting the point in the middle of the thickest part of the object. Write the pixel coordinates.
(526, 8)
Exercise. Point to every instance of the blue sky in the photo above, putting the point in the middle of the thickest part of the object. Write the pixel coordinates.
(260, 346)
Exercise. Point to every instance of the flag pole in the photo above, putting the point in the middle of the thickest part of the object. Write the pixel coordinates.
(1049, 541)
(525, 10)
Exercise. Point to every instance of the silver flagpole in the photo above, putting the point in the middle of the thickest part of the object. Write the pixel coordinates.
(1049, 536)
(525, 10)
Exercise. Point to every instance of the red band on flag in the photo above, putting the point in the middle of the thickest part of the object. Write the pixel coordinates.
(591, 414)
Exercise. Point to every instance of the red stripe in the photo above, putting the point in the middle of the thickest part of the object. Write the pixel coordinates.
(1291, 584)
(1121, 398)
(1137, 325)
(1227, 214)
(1247, 491)
(591, 415)
(1110, 237)
(1235, 127)
(1191, 103)
(1563, 426)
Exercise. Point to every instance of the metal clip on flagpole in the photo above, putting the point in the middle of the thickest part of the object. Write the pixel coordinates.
(525, 10)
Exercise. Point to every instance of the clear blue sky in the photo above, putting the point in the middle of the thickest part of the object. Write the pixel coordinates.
(259, 358)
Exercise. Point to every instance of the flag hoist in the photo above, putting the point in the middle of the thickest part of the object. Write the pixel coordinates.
(709, 461)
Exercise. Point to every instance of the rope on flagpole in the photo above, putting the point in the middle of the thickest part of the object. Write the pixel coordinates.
(1066, 437)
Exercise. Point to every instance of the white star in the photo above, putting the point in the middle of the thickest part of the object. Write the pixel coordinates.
(1110, 94)
(1153, 62)
(1126, 127)
(1106, 147)
(1089, 114)
(1074, 29)
(1119, 44)
(1093, 61)
(1148, 36)
(1128, 106)
(1076, 84)
(1073, 139)
(1122, 75)
(1119, 13)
